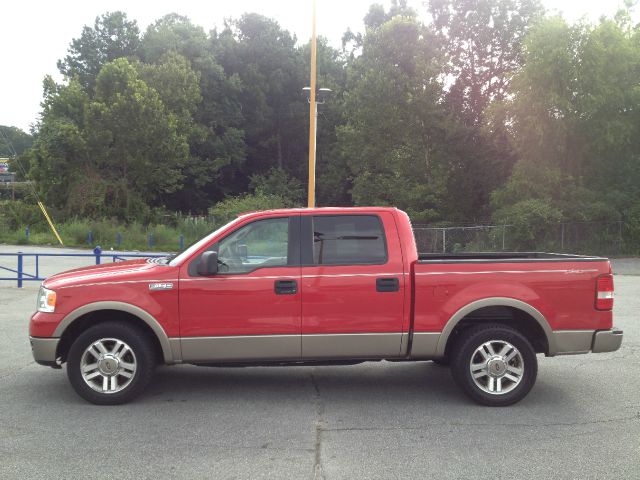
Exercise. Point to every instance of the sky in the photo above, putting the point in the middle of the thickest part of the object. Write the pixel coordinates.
(35, 34)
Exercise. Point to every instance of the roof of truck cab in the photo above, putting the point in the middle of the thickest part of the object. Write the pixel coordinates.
(323, 210)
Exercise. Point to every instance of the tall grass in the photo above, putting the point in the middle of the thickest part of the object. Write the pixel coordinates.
(107, 234)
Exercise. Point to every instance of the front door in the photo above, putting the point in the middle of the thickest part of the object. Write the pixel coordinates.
(249, 310)
(352, 287)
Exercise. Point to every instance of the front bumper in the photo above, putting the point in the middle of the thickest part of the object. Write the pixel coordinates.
(607, 340)
(44, 350)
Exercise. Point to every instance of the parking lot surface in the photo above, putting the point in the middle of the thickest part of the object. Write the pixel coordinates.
(375, 420)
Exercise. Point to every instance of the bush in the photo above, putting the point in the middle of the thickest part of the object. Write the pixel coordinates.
(230, 208)
(531, 224)
(279, 183)
(17, 214)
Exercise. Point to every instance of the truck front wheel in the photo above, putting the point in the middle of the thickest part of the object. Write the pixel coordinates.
(494, 364)
(110, 363)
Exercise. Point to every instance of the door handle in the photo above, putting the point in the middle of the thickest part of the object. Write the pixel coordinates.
(387, 285)
(285, 287)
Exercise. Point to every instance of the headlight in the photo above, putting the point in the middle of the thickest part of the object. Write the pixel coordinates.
(46, 300)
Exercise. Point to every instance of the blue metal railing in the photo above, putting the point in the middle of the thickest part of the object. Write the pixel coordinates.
(97, 255)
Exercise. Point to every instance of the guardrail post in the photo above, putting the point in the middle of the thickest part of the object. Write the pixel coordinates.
(97, 251)
(26, 233)
(150, 240)
(20, 269)
(181, 242)
(90, 237)
(118, 239)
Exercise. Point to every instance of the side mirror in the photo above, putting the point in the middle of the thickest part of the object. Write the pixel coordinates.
(208, 264)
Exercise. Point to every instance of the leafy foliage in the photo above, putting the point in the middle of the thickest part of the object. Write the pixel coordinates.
(16, 141)
(231, 207)
(491, 110)
(112, 37)
(392, 139)
(574, 120)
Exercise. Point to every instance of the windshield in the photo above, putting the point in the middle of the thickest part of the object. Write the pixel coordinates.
(199, 244)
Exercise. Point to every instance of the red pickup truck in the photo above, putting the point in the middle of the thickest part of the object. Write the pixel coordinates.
(323, 286)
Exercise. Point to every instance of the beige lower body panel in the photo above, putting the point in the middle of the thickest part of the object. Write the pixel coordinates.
(351, 345)
(44, 349)
(176, 349)
(241, 348)
(571, 342)
(252, 348)
(425, 345)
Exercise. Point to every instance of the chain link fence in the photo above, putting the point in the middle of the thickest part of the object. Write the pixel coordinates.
(590, 238)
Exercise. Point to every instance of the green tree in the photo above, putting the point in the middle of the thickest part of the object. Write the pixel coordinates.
(277, 182)
(482, 44)
(263, 56)
(178, 86)
(216, 139)
(13, 141)
(112, 37)
(111, 155)
(59, 158)
(174, 33)
(482, 49)
(392, 139)
(134, 137)
(574, 112)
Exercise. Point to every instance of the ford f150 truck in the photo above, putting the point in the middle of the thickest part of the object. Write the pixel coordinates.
(323, 286)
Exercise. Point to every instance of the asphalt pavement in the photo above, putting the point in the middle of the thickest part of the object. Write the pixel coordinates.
(371, 421)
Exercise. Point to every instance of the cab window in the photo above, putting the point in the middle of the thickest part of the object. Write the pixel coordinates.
(348, 240)
(263, 243)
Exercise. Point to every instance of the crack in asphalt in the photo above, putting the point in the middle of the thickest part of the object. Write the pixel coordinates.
(631, 418)
(318, 473)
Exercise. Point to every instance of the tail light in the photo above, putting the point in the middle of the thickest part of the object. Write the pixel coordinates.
(604, 292)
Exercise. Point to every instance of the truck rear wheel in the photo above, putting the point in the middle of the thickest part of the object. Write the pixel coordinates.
(110, 363)
(494, 364)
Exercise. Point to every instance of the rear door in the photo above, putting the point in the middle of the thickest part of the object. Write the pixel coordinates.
(352, 286)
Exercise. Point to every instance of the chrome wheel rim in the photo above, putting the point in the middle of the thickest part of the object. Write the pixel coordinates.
(496, 367)
(108, 365)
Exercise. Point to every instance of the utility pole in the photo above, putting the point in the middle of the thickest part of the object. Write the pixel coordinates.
(313, 115)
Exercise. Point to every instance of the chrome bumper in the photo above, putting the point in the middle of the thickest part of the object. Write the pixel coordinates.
(607, 340)
(44, 350)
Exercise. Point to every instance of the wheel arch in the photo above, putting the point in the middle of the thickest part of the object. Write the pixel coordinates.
(70, 327)
(511, 304)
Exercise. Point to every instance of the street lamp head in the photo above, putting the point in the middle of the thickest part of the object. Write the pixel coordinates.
(323, 94)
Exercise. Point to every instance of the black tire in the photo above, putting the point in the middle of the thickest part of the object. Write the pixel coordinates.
(467, 349)
(143, 358)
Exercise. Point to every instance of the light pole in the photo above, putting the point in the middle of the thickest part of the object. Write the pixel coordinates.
(319, 98)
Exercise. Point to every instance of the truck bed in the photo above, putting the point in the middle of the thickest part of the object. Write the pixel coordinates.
(504, 257)
(561, 287)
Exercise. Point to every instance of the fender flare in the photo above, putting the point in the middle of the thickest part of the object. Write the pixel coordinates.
(495, 302)
(143, 315)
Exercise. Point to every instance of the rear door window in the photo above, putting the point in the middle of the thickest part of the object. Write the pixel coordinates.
(348, 240)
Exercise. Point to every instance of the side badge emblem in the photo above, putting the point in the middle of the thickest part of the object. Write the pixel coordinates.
(160, 286)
